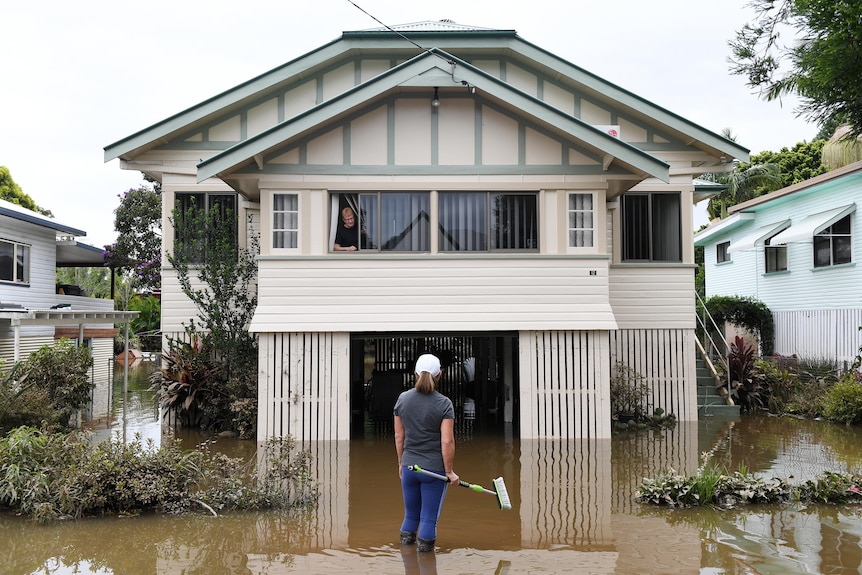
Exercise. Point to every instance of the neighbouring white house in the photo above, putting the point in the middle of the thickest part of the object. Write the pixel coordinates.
(34, 309)
(521, 217)
(796, 250)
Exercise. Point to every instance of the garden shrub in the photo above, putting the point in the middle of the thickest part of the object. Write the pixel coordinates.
(629, 393)
(779, 384)
(196, 384)
(46, 389)
(52, 475)
(842, 402)
(714, 486)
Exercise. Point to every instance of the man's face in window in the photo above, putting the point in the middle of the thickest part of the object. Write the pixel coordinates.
(349, 219)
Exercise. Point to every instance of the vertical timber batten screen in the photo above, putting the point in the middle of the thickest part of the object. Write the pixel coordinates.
(666, 360)
(565, 389)
(304, 386)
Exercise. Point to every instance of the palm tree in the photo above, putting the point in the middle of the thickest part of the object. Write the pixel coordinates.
(743, 182)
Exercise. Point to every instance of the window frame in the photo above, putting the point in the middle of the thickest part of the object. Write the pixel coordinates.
(368, 207)
(634, 229)
(288, 235)
(774, 257)
(195, 254)
(572, 230)
(833, 240)
(721, 253)
(20, 263)
(527, 235)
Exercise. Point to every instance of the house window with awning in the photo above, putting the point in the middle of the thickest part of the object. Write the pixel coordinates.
(832, 246)
(721, 254)
(775, 256)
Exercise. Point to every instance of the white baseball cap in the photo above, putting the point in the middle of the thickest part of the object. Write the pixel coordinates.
(429, 363)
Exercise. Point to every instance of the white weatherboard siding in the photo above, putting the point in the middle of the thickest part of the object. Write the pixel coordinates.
(358, 293)
(652, 296)
(39, 293)
(802, 285)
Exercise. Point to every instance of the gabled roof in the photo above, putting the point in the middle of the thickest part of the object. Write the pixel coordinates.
(446, 36)
(430, 69)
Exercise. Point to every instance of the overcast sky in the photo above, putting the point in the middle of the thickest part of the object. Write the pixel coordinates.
(78, 76)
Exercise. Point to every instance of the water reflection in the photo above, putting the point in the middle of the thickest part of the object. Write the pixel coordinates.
(573, 512)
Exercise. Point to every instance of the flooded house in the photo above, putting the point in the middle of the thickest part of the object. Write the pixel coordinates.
(524, 219)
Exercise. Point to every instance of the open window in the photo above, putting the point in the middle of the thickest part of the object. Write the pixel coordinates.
(382, 221)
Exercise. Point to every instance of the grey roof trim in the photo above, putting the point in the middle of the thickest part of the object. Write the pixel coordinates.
(161, 131)
(631, 100)
(23, 214)
(484, 39)
(414, 73)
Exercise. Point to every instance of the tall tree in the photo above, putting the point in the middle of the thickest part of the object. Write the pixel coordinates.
(821, 63)
(138, 222)
(12, 192)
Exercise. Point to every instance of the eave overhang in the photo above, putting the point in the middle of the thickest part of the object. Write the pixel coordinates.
(721, 227)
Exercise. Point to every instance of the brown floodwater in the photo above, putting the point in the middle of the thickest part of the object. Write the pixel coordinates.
(572, 509)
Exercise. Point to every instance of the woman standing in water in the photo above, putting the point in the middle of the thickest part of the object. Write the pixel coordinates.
(424, 436)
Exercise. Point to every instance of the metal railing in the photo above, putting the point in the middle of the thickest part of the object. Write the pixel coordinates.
(713, 347)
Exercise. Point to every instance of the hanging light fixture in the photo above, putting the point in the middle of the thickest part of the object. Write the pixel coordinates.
(435, 103)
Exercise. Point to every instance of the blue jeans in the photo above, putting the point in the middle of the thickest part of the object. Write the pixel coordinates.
(423, 501)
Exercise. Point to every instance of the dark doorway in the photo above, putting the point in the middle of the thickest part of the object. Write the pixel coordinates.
(480, 376)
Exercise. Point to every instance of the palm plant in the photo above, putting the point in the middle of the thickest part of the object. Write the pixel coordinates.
(743, 182)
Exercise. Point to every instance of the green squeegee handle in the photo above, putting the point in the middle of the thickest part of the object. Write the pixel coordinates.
(472, 486)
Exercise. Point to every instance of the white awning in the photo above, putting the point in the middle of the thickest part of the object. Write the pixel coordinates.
(813, 224)
(749, 241)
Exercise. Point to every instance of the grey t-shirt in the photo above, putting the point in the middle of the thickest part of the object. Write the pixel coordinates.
(422, 414)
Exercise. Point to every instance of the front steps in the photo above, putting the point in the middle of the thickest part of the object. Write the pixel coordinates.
(710, 403)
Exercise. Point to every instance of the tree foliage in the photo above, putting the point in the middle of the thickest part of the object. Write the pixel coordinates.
(206, 250)
(138, 222)
(811, 48)
(766, 172)
(746, 312)
(211, 379)
(96, 282)
(47, 388)
(12, 192)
